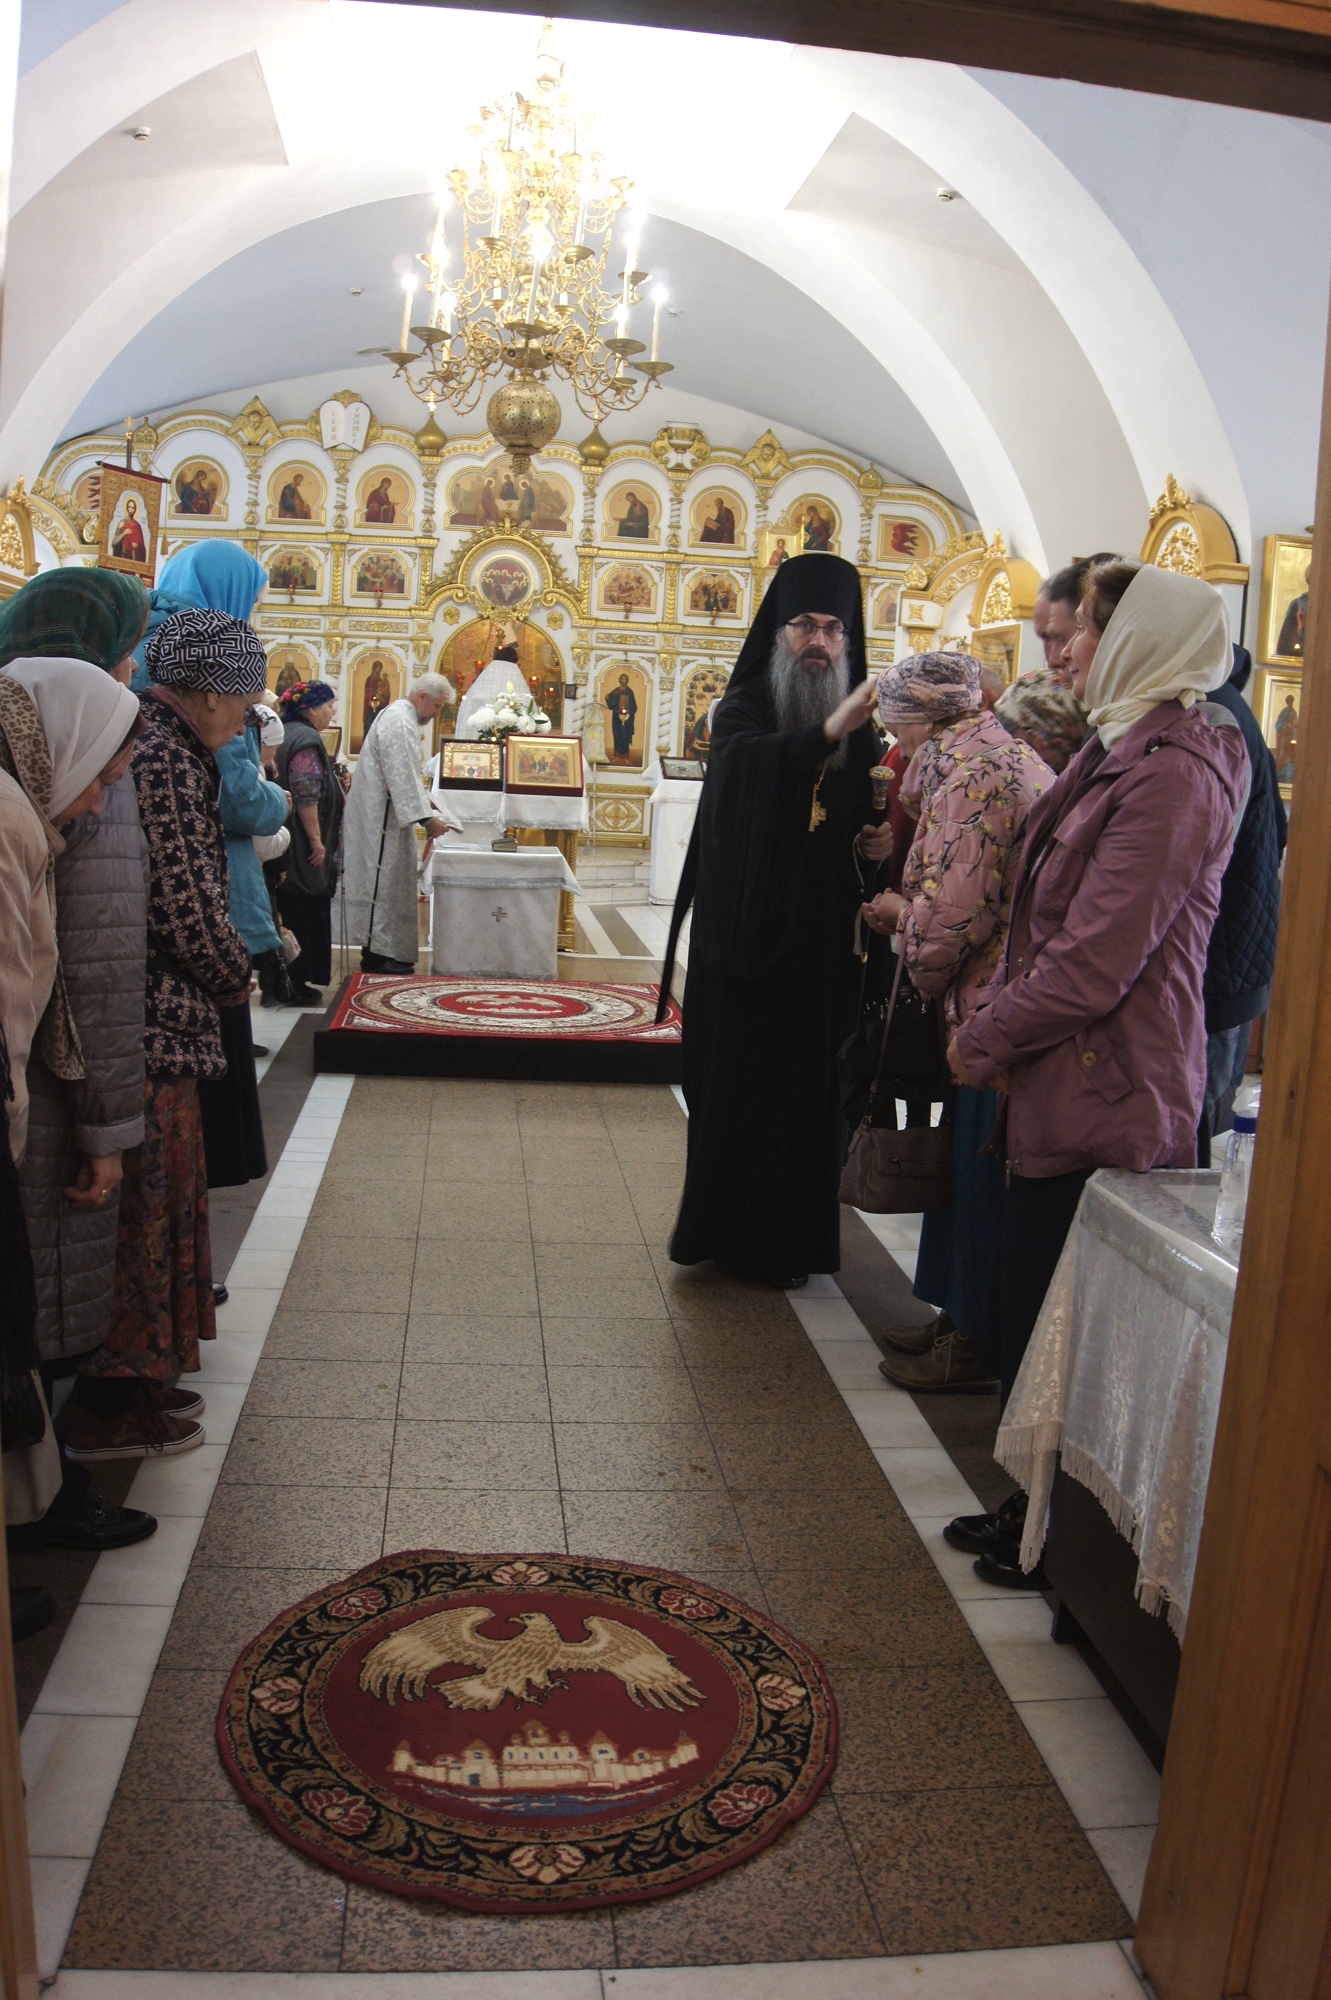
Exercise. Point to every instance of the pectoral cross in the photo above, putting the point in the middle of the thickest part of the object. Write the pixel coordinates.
(817, 811)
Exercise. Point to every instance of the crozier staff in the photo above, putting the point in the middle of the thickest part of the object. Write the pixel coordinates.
(772, 873)
(385, 805)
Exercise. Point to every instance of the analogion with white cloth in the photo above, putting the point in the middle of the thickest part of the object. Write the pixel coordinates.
(497, 913)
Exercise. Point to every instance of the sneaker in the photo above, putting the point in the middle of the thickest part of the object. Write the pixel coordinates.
(949, 1364)
(175, 1402)
(96, 1525)
(979, 1534)
(916, 1339)
(1002, 1566)
(31, 1609)
(142, 1433)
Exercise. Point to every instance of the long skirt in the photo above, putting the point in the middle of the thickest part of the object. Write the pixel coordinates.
(232, 1122)
(310, 918)
(164, 1265)
(1034, 1217)
(953, 1266)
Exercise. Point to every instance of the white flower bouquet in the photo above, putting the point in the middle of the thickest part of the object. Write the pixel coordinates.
(515, 713)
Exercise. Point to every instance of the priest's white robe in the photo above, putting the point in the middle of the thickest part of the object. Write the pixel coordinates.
(381, 859)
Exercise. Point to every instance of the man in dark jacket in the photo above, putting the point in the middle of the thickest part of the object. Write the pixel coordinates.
(1242, 953)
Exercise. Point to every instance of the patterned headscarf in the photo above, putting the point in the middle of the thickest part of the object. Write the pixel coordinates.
(305, 694)
(74, 614)
(208, 650)
(930, 688)
(1038, 706)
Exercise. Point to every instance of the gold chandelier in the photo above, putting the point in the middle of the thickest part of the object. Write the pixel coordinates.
(531, 297)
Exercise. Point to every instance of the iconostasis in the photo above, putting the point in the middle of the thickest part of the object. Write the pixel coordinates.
(625, 575)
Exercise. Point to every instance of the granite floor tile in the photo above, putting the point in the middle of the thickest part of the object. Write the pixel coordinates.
(610, 1343)
(622, 1396)
(453, 1278)
(345, 1289)
(390, 1934)
(606, 1280)
(800, 1898)
(467, 1209)
(751, 1345)
(202, 1885)
(304, 1336)
(482, 1340)
(308, 1451)
(520, 1457)
(873, 1615)
(643, 1174)
(499, 1165)
(174, 1752)
(581, 1215)
(459, 1392)
(670, 1530)
(657, 1210)
(220, 1610)
(502, 1522)
(392, 1211)
(937, 1728)
(755, 1457)
(591, 1168)
(352, 1389)
(789, 1400)
(645, 1458)
(825, 1530)
(939, 1870)
(292, 1527)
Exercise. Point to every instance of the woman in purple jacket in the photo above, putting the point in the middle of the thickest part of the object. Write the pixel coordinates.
(1094, 1026)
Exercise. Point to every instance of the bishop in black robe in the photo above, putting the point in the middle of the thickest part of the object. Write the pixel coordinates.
(775, 883)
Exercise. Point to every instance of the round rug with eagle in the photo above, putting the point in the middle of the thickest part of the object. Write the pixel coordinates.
(537, 1733)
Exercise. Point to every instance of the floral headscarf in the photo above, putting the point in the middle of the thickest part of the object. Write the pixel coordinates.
(1037, 705)
(305, 694)
(930, 688)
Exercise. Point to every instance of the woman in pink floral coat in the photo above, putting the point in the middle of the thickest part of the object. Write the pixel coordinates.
(971, 785)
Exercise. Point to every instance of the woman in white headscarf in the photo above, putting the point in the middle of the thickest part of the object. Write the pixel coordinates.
(66, 734)
(1094, 1026)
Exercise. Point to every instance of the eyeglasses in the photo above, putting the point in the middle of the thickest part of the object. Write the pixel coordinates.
(807, 628)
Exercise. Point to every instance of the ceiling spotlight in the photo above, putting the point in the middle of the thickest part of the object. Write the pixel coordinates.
(356, 291)
(947, 194)
(139, 132)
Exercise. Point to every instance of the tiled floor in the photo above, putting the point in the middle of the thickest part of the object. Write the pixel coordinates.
(457, 1325)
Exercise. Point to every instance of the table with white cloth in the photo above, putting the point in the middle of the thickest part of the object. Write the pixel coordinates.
(674, 806)
(536, 819)
(496, 914)
(1120, 1386)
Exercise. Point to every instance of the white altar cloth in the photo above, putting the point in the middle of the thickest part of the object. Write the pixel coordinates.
(484, 815)
(674, 806)
(1121, 1382)
(496, 914)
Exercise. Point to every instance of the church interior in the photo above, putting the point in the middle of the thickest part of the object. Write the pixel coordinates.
(958, 325)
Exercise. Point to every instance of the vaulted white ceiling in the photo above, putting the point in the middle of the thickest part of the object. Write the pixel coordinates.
(1044, 348)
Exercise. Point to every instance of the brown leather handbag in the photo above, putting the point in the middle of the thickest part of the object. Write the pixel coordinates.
(896, 1173)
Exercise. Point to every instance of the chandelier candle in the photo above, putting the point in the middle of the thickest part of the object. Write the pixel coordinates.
(409, 291)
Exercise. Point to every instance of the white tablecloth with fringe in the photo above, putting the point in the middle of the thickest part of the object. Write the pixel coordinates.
(1121, 1382)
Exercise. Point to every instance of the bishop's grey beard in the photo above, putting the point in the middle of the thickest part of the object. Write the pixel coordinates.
(803, 699)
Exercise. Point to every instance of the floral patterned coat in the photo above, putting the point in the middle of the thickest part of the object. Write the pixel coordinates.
(971, 787)
(197, 959)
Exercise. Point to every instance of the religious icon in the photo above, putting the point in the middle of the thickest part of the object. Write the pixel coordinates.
(376, 680)
(543, 764)
(504, 583)
(621, 689)
(885, 608)
(715, 593)
(902, 540)
(1277, 700)
(632, 514)
(496, 496)
(385, 500)
(817, 530)
(292, 570)
(1283, 627)
(288, 667)
(716, 517)
(473, 764)
(627, 588)
(779, 554)
(810, 526)
(296, 493)
(998, 646)
(379, 574)
(197, 489)
(129, 509)
(702, 690)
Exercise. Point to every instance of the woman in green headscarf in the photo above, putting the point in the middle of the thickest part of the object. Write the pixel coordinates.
(96, 615)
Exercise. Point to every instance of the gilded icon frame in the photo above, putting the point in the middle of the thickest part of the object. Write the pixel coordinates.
(1284, 561)
(1272, 688)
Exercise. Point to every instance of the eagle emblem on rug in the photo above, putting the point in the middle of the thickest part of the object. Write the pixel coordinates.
(526, 1667)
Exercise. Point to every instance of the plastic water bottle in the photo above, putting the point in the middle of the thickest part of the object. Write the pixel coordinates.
(1233, 1203)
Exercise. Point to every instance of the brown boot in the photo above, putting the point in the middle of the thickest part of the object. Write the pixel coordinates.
(917, 1339)
(949, 1364)
(143, 1432)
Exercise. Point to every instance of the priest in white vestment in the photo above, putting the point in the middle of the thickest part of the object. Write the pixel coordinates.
(385, 805)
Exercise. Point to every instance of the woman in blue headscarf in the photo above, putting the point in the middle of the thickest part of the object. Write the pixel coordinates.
(216, 575)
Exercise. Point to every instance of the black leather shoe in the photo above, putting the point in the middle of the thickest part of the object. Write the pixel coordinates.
(980, 1534)
(260, 1050)
(220, 1295)
(96, 1525)
(1003, 1566)
(31, 1609)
